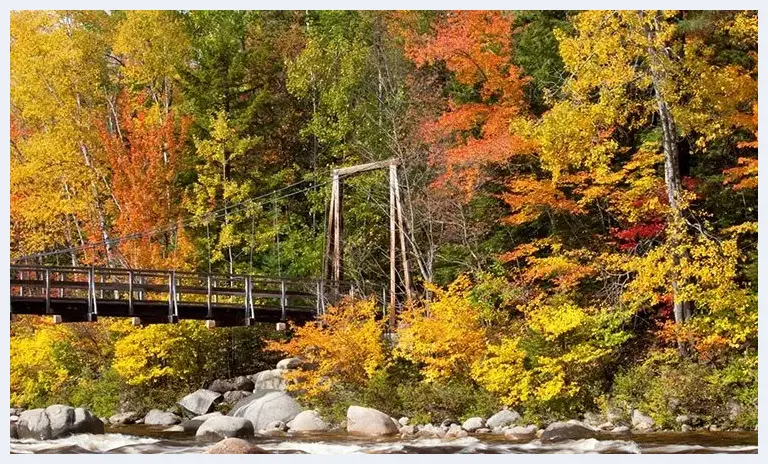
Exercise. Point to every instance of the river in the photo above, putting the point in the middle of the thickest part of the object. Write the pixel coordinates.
(142, 439)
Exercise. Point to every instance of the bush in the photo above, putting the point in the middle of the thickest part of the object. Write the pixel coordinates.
(665, 386)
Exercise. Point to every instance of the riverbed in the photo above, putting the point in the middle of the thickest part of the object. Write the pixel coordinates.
(147, 440)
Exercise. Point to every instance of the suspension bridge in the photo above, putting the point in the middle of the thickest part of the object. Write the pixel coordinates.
(85, 293)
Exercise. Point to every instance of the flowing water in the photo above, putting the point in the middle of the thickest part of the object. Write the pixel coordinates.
(142, 439)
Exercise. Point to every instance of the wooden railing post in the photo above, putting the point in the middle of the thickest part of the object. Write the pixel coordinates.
(130, 293)
(47, 291)
(210, 309)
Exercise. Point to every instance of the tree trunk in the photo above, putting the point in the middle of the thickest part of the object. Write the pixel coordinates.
(682, 309)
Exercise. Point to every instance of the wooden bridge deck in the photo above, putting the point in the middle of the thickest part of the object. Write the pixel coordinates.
(80, 294)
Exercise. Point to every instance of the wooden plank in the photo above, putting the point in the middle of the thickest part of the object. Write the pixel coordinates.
(350, 170)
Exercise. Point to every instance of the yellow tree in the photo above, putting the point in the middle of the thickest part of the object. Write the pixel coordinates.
(58, 175)
(345, 346)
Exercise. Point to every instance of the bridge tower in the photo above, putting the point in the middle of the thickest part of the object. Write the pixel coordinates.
(334, 249)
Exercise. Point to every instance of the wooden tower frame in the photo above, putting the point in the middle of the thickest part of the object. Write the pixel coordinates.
(334, 249)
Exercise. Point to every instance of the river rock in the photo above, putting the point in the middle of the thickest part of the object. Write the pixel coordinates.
(606, 426)
(593, 418)
(472, 424)
(369, 422)
(641, 422)
(430, 430)
(403, 421)
(620, 430)
(686, 428)
(221, 386)
(16, 411)
(407, 431)
(683, 419)
(455, 431)
(269, 380)
(308, 421)
(224, 427)
(235, 446)
(232, 397)
(483, 431)
(571, 430)
(614, 415)
(289, 363)
(158, 417)
(124, 418)
(191, 425)
(175, 429)
(199, 402)
(57, 421)
(521, 434)
(266, 406)
(14, 430)
(503, 418)
(243, 383)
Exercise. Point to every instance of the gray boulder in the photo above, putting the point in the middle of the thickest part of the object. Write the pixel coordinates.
(521, 434)
(403, 421)
(429, 430)
(235, 446)
(57, 421)
(503, 418)
(641, 422)
(14, 419)
(158, 417)
(266, 406)
(86, 422)
(35, 421)
(289, 363)
(308, 421)
(407, 431)
(269, 380)
(199, 402)
(232, 397)
(14, 430)
(124, 418)
(221, 385)
(369, 422)
(472, 424)
(175, 429)
(571, 430)
(224, 427)
(243, 383)
(191, 425)
(455, 431)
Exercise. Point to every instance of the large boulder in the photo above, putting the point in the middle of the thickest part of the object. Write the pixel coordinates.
(124, 418)
(571, 430)
(369, 422)
(235, 446)
(199, 402)
(191, 425)
(158, 417)
(641, 422)
(269, 380)
(57, 421)
(14, 430)
(289, 363)
(242, 383)
(265, 407)
(473, 424)
(86, 422)
(502, 418)
(308, 421)
(224, 427)
(520, 434)
(232, 397)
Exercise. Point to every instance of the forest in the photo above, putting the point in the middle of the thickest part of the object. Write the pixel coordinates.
(580, 193)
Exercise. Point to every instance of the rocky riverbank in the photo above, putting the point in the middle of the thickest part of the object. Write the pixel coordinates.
(258, 406)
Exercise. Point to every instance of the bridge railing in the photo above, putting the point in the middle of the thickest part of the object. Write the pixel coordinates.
(95, 286)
